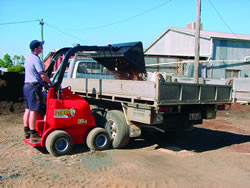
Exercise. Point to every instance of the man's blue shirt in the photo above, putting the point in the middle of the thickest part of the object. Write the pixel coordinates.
(33, 67)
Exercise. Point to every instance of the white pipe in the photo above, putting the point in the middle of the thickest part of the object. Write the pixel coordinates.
(203, 61)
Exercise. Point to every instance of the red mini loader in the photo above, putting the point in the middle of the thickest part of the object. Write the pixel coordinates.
(68, 120)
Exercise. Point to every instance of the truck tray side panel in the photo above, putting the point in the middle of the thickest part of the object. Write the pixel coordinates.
(143, 90)
(159, 93)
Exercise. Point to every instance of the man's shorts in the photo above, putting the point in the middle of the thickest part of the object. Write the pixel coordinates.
(32, 96)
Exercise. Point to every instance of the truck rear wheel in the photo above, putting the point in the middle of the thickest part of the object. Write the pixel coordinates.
(98, 139)
(58, 143)
(117, 128)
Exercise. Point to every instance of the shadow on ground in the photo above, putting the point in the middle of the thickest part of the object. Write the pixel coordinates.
(76, 149)
(197, 140)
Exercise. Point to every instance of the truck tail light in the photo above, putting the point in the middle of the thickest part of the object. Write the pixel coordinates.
(221, 107)
(163, 109)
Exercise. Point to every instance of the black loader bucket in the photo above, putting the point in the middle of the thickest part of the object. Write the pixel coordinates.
(125, 60)
(125, 57)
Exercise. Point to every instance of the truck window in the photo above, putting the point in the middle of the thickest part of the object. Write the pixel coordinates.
(81, 68)
(93, 70)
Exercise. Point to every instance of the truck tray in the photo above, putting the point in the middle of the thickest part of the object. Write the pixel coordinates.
(150, 92)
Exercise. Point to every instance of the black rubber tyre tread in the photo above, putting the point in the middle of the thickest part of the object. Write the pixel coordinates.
(51, 139)
(122, 135)
(91, 142)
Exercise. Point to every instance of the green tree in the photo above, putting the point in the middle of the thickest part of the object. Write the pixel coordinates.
(13, 65)
(16, 68)
(6, 61)
(2, 63)
(18, 60)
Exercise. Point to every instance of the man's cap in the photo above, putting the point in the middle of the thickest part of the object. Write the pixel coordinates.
(35, 43)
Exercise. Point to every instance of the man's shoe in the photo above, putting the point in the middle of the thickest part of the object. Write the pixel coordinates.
(26, 134)
(34, 138)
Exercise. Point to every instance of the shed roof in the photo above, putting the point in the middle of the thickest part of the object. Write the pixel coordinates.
(203, 34)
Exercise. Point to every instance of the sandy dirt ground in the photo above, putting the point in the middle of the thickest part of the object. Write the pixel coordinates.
(214, 154)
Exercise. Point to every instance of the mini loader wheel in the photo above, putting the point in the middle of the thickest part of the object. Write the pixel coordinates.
(117, 128)
(98, 139)
(58, 143)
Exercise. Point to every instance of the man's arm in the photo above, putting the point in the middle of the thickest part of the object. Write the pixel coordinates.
(45, 78)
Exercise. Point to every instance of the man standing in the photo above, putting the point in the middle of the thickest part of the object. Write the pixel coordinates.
(35, 77)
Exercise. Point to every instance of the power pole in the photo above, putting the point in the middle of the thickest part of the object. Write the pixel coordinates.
(41, 23)
(197, 42)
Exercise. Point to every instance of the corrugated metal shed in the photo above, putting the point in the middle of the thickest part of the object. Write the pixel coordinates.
(214, 45)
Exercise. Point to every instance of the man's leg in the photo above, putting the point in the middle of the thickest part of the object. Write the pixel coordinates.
(26, 123)
(32, 120)
(31, 93)
(26, 112)
(26, 117)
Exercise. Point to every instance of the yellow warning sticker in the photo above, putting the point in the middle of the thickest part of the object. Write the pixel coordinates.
(82, 121)
(64, 113)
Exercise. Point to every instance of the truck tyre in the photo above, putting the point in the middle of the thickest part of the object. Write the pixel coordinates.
(58, 143)
(117, 128)
(98, 139)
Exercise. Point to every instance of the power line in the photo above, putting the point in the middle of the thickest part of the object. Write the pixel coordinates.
(37, 20)
(221, 17)
(114, 23)
(129, 18)
(58, 30)
(9, 23)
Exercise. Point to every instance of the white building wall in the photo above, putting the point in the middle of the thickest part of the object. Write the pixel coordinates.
(179, 44)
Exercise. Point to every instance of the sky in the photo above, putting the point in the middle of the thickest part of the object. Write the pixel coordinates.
(102, 22)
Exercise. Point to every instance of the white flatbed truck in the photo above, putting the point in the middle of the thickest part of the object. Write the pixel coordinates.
(125, 107)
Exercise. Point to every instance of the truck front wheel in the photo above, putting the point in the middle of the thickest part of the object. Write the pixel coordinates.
(117, 128)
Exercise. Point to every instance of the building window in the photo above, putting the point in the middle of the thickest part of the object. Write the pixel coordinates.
(232, 73)
(163, 64)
